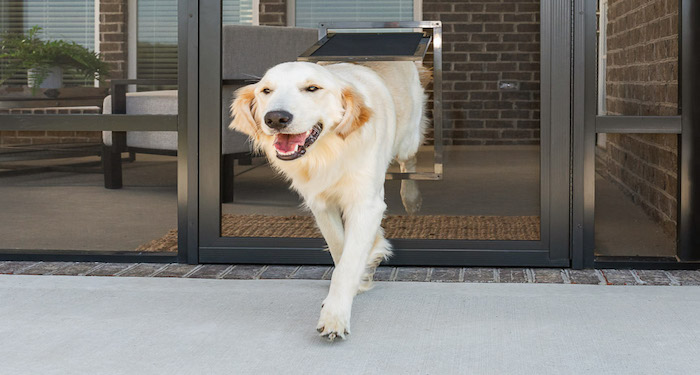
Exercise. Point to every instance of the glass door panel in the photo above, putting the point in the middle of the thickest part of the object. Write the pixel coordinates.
(490, 190)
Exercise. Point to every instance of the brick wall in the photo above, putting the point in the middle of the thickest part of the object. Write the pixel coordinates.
(32, 137)
(486, 42)
(113, 35)
(642, 79)
(273, 12)
(25, 138)
(642, 70)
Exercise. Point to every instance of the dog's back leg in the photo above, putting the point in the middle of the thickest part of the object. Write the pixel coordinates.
(381, 250)
(410, 194)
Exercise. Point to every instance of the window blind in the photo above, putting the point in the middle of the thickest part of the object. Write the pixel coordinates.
(157, 34)
(309, 13)
(156, 30)
(70, 20)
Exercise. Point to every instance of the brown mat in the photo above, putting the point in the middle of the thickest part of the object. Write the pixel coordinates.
(526, 228)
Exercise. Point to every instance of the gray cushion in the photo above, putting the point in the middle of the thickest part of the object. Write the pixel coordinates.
(248, 51)
(162, 102)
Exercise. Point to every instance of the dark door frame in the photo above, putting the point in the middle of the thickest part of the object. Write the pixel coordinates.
(120, 122)
(204, 58)
(586, 123)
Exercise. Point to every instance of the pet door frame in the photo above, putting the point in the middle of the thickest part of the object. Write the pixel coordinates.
(434, 28)
(204, 206)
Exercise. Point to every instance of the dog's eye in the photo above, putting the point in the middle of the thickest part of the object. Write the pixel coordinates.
(266, 90)
(312, 88)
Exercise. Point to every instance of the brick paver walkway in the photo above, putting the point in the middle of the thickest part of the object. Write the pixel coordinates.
(422, 274)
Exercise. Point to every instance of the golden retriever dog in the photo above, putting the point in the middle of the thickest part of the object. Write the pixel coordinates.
(333, 130)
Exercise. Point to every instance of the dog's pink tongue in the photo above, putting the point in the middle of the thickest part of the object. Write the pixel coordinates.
(287, 142)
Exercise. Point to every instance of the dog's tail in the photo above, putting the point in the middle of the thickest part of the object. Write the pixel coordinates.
(425, 74)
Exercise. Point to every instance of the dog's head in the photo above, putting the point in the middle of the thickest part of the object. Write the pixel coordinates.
(296, 105)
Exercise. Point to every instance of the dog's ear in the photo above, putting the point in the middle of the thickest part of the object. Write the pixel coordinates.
(243, 111)
(356, 113)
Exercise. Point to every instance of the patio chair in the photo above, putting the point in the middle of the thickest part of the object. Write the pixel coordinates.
(248, 51)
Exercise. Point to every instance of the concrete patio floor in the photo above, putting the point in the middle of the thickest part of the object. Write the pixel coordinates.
(100, 325)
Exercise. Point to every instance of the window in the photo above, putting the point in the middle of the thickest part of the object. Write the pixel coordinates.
(309, 13)
(602, 54)
(70, 20)
(156, 28)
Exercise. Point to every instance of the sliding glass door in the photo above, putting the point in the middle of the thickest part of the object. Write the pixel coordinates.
(503, 198)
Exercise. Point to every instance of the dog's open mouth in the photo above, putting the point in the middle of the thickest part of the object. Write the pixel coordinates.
(293, 146)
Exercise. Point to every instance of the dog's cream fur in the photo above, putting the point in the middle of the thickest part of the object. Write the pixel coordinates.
(371, 114)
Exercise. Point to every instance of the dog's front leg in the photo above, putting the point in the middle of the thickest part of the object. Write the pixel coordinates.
(330, 223)
(362, 222)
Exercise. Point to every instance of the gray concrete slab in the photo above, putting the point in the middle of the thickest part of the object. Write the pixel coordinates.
(102, 325)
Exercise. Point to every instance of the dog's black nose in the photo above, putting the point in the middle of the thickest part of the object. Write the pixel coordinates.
(278, 119)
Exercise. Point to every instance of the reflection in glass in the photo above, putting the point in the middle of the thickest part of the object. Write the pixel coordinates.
(309, 13)
(636, 195)
(54, 192)
(67, 21)
(488, 193)
(491, 184)
(53, 195)
(638, 58)
(156, 54)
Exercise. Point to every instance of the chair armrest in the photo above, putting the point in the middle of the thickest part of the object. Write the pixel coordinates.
(118, 90)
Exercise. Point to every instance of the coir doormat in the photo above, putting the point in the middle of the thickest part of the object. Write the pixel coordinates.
(506, 228)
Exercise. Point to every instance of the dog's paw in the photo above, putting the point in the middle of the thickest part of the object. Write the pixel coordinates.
(411, 197)
(334, 322)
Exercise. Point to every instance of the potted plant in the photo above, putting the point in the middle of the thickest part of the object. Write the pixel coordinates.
(46, 60)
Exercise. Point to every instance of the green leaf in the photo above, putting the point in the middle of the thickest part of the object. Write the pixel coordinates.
(23, 51)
